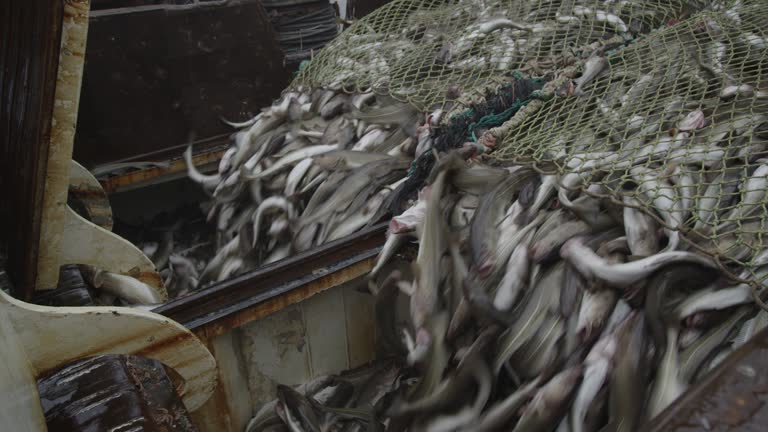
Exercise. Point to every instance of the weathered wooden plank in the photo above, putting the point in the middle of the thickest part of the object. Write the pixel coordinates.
(29, 55)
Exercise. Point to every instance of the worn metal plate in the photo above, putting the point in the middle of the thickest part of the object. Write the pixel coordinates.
(733, 397)
(253, 295)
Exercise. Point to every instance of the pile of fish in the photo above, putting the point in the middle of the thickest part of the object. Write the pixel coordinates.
(345, 401)
(537, 305)
(314, 167)
(586, 300)
(180, 253)
(528, 316)
(558, 311)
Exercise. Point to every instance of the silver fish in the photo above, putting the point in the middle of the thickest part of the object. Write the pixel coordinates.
(591, 266)
(595, 309)
(502, 413)
(667, 385)
(549, 240)
(692, 358)
(551, 402)
(296, 175)
(592, 68)
(597, 367)
(271, 203)
(542, 299)
(629, 372)
(713, 299)
(515, 276)
(207, 181)
(427, 266)
(641, 229)
(290, 158)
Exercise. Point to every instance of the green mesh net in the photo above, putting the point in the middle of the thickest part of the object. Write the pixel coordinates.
(675, 124)
(430, 52)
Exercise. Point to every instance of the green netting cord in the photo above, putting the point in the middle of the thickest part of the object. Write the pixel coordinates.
(493, 120)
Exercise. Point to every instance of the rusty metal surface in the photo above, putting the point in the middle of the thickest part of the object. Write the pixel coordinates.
(285, 295)
(255, 294)
(30, 32)
(229, 408)
(733, 397)
(160, 74)
(174, 168)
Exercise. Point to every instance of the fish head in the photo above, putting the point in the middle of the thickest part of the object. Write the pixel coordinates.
(487, 140)
(558, 389)
(329, 162)
(692, 121)
(420, 349)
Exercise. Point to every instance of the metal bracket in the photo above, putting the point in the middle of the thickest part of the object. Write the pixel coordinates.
(50, 337)
(86, 243)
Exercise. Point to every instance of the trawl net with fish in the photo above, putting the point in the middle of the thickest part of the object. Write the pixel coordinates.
(676, 124)
(432, 52)
(348, 135)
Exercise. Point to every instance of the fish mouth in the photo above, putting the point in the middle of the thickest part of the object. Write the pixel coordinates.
(485, 268)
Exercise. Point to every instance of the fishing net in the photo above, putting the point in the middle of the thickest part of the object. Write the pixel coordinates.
(430, 52)
(676, 124)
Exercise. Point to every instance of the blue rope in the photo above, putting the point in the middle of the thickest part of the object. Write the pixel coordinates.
(303, 65)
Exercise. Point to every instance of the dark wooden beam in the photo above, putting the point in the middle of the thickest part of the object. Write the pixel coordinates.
(30, 31)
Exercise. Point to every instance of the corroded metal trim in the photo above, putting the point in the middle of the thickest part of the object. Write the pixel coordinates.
(258, 293)
(175, 169)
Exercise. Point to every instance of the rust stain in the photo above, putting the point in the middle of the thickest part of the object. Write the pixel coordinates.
(118, 182)
(215, 414)
(153, 279)
(87, 191)
(164, 344)
(150, 278)
(281, 302)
